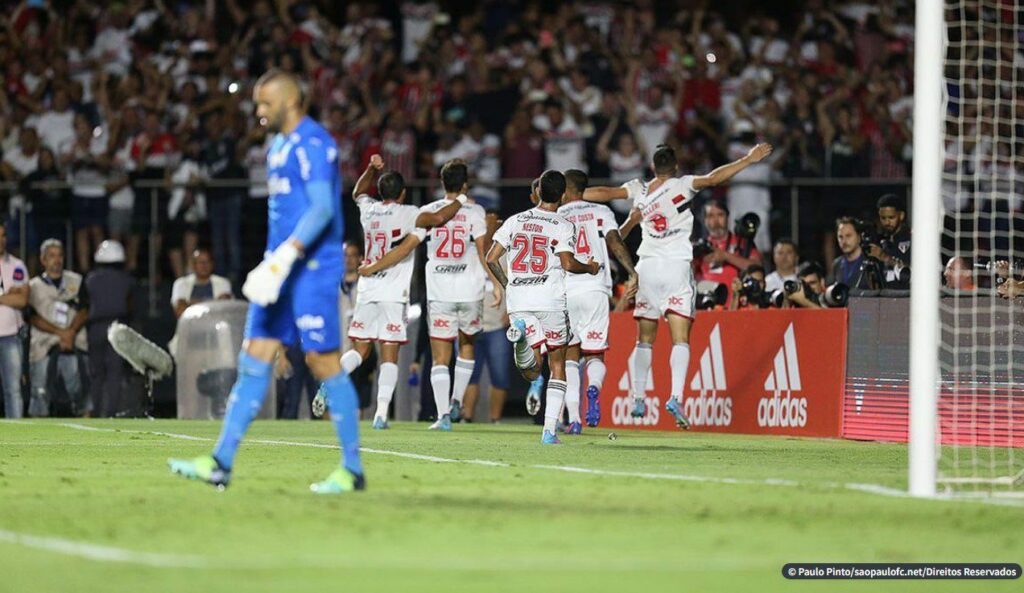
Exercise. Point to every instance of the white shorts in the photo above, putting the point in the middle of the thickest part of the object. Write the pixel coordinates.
(588, 318)
(550, 328)
(666, 286)
(448, 319)
(383, 322)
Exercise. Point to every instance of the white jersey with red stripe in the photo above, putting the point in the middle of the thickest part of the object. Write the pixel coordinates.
(592, 221)
(533, 239)
(385, 225)
(666, 219)
(454, 272)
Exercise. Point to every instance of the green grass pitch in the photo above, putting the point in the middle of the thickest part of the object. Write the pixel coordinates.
(93, 508)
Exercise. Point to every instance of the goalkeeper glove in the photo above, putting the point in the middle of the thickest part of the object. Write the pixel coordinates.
(263, 284)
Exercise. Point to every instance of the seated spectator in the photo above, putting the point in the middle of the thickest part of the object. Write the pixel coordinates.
(894, 248)
(785, 258)
(812, 279)
(199, 286)
(852, 267)
(59, 306)
(958, 275)
(730, 253)
(747, 299)
(14, 294)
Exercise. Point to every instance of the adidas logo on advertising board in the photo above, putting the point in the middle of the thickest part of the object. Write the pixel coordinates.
(781, 409)
(711, 407)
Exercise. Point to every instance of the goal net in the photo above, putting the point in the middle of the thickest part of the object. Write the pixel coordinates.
(967, 403)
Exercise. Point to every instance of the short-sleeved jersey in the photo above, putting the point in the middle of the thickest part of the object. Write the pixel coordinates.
(666, 219)
(592, 222)
(454, 272)
(385, 225)
(533, 239)
(307, 155)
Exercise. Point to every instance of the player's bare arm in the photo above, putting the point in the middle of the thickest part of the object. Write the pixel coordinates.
(726, 172)
(481, 252)
(365, 182)
(574, 266)
(393, 257)
(621, 253)
(631, 223)
(429, 220)
(494, 264)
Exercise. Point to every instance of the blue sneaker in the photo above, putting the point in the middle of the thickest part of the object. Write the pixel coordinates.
(574, 428)
(672, 407)
(455, 411)
(444, 423)
(516, 331)
(533, 396)
(548, 438)
(639, 408)
(380, 423)
(204, 469)
(593, 409)
(341, 480)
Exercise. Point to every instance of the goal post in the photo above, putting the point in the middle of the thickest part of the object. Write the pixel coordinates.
(927, 215)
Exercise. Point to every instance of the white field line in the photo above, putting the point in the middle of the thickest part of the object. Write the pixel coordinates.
(101, 553)
(876, 489)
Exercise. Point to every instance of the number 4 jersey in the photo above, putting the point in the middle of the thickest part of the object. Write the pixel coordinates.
(593, 222)
(385, 225)
(454, 271)
(533, 239)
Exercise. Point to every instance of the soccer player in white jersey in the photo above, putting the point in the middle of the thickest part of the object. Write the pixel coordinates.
(382, 297)
(596, 234)
(662, 208)
(540, 246)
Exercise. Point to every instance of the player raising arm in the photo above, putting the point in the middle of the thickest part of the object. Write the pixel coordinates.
(540, 246)
(662, 208)
(294, 291)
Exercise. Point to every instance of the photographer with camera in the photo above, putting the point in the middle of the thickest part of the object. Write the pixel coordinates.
(892, 246)
(749, 290)
(723, 254)
(854, 268)
(804, 291)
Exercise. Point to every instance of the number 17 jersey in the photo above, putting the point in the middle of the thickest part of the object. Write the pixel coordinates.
(454, 272)
(533, 239)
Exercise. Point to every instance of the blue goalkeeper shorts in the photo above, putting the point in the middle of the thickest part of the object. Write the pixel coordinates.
(306, 310)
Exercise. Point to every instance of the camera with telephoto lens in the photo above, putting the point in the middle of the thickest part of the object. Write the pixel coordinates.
(702, 247)
(747, 226)
(710, 295)
(751, 289)
(834, 297)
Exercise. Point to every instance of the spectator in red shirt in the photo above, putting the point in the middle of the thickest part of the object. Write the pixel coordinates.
(730, 253)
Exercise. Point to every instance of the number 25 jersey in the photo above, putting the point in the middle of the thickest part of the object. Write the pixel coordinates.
(533, 239)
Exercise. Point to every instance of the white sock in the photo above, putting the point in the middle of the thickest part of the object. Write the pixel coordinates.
(463, 373)
(350, 361)
(678, 361)
(441, 381)
(641, 366)
(525, 359)
(553, 405)
(387, 377)
(595, 372)
(572, 390)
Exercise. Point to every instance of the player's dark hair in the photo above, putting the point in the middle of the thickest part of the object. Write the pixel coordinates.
(454, 175)
(576, 180)
(892, 201)
(808, 268)
(390, 185)
(664, 160)
(552, 186)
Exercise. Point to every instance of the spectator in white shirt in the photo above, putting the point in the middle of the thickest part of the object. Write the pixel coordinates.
(14, 294)
(785, 257)
(201, 285)
(563, 138)
(56, 126)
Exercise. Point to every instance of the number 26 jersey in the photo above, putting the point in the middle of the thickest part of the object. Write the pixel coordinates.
(454, 272)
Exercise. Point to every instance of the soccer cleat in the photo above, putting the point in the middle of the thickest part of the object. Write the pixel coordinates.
(341, 480)
(593, 409)
(455, 410)
(319, 405)
(672, 407)
(639, 408)
(533, 396)
(444, 423)
(205, 469)
(380, 423)
(549, 438)
(574, 428)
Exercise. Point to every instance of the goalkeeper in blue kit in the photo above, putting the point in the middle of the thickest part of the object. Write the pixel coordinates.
(294, 291)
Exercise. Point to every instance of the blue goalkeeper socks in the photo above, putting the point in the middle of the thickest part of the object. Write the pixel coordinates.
(343, 404)
(243, 406)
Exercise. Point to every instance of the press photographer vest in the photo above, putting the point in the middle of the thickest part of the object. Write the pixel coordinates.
(58, 304)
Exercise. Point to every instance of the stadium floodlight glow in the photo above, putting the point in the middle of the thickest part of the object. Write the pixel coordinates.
(711, 57)
(927, 224)
(233, 88)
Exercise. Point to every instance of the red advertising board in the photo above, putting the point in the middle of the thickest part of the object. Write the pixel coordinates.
(776, 371)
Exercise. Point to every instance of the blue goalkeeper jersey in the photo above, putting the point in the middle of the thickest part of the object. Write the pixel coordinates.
(307, 155)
